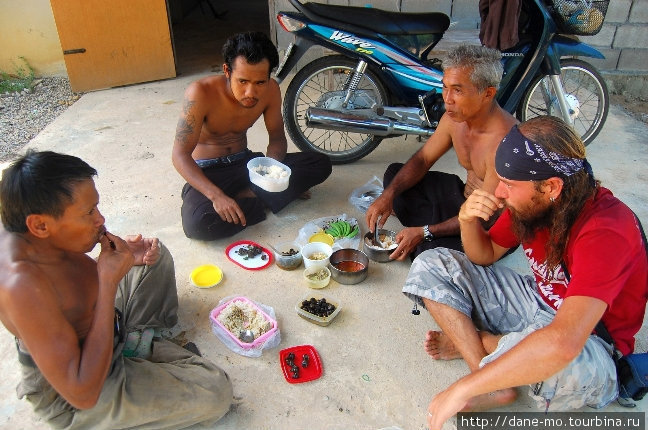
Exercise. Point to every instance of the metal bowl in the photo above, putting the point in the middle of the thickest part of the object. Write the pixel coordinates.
(349, 266)
(375, 252)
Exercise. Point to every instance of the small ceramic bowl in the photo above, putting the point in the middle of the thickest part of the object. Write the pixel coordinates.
(349, 266)
(317, 277)
(288, 255)
(316, 254)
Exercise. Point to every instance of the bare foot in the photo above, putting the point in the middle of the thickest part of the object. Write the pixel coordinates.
(491, 400)
(439, 347)
(306, 195)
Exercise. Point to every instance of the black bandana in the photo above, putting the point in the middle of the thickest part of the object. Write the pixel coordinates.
(521, 159)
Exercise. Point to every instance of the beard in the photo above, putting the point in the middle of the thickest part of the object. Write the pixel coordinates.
(528, 220)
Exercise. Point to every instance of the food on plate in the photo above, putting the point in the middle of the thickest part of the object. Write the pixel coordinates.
(320, 307)
(290, 362)
(240, 315)
(251, 251)
(294, 369)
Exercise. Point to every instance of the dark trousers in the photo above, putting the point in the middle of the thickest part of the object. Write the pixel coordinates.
(436, 198)
(200, 220)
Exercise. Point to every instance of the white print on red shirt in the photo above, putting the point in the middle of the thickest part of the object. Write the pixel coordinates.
(552, 286)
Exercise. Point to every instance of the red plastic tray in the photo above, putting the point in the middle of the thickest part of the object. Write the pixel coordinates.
(254, 264)
(310, 373)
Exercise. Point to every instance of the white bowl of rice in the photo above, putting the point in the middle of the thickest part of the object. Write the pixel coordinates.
(269, 174)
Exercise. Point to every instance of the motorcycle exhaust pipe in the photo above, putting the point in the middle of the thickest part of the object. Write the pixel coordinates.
(354, 123)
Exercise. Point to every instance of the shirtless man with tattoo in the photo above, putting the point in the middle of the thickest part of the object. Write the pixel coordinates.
(427, 202)
(211, 149)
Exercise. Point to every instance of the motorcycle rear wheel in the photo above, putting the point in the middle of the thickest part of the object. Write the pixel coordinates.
(326, 74)
(587, 95)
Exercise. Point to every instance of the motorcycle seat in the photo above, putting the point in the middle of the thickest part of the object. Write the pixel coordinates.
(381, 21)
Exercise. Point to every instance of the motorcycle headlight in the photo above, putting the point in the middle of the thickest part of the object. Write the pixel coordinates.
(290, 24)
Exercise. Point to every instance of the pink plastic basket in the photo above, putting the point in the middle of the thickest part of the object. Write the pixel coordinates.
(213, 316)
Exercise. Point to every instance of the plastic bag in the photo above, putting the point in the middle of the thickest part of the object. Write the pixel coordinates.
(362, 197)
(269, 340)
(318, 225)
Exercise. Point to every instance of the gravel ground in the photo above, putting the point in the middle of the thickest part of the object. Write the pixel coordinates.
(24, 115)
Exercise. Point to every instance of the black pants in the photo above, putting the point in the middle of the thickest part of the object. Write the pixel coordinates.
(200, 220)
(436, 198)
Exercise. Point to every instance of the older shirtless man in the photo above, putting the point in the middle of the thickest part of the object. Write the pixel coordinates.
(210, 149)
(84, 328)
(427, 202)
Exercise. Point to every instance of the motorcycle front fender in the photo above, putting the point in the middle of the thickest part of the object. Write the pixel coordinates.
(562, 46)
(293, 54)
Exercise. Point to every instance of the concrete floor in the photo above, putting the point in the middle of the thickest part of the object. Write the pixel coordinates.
(375, 372)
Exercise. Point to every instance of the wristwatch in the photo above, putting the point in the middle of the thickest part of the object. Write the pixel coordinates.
(427, 236)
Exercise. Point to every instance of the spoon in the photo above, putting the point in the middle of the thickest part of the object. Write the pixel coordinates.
(376, 239)
(246, 336)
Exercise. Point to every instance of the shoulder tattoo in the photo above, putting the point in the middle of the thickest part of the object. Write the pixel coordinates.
(187, 122)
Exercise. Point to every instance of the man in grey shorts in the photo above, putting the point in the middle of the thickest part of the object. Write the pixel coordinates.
(589, 264)
(87, 332)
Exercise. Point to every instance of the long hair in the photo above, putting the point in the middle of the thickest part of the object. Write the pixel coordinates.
(254, 46)
(555, 135)
(39, 183)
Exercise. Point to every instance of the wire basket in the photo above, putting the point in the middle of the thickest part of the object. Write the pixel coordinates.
(580, 17)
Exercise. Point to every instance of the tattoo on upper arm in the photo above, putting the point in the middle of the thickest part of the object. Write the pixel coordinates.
(187, 123)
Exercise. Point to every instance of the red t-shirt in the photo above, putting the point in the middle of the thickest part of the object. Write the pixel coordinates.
(606, 259)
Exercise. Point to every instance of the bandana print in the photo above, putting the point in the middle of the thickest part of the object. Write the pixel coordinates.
(521, 159)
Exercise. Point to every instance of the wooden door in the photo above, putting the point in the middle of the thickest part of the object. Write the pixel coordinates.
(112, 43)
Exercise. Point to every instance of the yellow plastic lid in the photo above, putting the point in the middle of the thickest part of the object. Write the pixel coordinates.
(322, 237)
(206, 276)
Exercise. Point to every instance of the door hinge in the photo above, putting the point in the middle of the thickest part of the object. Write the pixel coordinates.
(74, 51)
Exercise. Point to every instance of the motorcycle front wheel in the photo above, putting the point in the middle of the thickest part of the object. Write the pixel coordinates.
(587, 97)
(322, 83)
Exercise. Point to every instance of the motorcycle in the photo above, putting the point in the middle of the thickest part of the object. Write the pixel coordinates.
(383, 82)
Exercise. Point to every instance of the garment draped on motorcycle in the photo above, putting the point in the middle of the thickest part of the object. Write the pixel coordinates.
(499, 23)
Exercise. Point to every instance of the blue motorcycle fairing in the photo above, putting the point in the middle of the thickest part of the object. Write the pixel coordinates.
(562, 46)
(408, 72)
(568, 47)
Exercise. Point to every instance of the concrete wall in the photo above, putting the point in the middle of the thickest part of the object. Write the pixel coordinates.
(623, 38)
(27, 29)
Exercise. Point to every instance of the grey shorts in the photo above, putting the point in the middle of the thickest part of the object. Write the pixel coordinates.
(501, 301)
